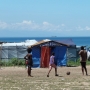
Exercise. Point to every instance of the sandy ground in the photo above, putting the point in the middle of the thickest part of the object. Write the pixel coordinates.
(16, 78)
(74, 71)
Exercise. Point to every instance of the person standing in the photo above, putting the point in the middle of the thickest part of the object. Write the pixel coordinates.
(83, 59)
(28, 57)
(51, 65)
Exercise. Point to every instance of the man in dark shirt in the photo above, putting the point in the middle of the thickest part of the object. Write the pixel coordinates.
(83, 59)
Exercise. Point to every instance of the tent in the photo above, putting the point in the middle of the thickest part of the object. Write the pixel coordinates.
(72, 50)
(14, 50)
(42, 50)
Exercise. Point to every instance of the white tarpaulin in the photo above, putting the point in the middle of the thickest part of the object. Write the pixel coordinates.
(15, 50)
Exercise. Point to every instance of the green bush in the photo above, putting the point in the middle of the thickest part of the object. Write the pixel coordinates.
(1, 63)
(12, 62)
(21, 62)
(71, 63)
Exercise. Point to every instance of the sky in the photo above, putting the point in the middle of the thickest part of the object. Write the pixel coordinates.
(44, 18)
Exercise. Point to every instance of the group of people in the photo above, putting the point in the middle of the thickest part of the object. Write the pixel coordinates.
(29, 61)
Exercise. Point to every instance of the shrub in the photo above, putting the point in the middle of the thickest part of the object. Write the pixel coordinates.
(75, 63)
(71, 63)
(21, 62)
(12, 62)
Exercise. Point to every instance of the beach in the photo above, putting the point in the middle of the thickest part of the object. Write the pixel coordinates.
(15, 78)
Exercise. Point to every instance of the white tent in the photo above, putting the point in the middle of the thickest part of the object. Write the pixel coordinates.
(15, 50)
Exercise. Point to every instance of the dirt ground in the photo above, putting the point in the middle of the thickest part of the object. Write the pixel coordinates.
(16, 78)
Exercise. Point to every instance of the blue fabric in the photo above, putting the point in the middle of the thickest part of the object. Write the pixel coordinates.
(60, 55)
(36, 53)
(68, 41)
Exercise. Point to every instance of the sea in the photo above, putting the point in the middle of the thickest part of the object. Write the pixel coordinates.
(79, 41)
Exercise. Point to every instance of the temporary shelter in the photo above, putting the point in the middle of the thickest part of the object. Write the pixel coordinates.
(14, 50)
(42, 50)
(72, 50)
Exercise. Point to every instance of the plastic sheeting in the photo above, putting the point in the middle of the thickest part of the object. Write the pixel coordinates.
(60, 55)
(4, 52)
(36, 54)
(45, 56)
(9, 52)
(21, 51)
(72, 54)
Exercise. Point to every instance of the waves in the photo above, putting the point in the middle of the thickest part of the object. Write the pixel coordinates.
(77, 40)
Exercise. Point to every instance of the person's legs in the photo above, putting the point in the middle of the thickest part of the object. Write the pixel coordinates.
(82, 68)
(84, 65)
(53, 65)
(56, 72)
(50, 68)
(29, 71)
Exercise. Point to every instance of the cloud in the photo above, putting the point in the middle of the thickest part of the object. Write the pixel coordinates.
(44, 26)
(47, 26)
(3, 25)
(79, 28)
(62, 24)
(25, 25)
(51, 27)
(46, 23)
(87, 28)
(27, 22)
(30, 25)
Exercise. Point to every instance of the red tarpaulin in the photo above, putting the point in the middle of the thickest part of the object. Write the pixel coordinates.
(45, 56)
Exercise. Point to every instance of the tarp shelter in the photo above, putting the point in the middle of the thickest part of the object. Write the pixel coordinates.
(42, 50)
(72, 50)
(14, 50)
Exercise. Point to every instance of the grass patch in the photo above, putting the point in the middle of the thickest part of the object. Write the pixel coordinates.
(12, 62)
(72, 63)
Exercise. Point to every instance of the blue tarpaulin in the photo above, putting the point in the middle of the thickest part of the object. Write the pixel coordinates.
(59, 48)
(36, 53)
(60, 55)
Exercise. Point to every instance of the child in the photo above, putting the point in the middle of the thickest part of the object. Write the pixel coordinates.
(51, 64)
(28, 57)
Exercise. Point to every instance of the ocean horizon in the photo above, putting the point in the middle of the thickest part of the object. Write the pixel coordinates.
(79, 41)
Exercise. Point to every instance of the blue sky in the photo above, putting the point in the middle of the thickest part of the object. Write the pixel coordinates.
(44, 18)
